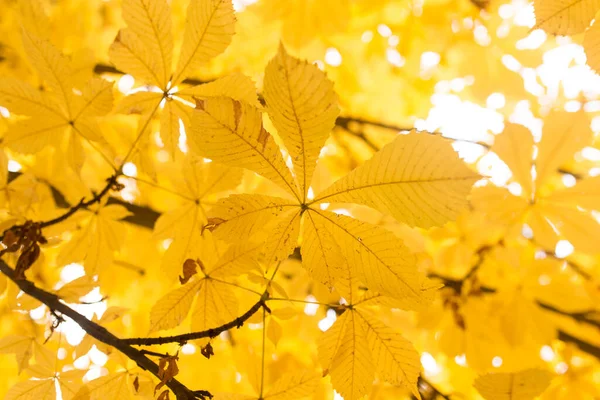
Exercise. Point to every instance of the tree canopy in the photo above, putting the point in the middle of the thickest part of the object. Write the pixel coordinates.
(299, 199)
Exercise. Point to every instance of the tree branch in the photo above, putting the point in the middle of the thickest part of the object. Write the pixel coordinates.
(209, 333)
(111, 183)
(100, 333)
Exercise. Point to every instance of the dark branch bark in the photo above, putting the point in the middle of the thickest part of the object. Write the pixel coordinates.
(209, 333)
(99, 333)
(110, 184)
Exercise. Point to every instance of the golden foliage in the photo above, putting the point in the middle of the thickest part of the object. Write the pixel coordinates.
(299, 199)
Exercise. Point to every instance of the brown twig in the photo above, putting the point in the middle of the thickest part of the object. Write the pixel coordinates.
(99, 333)
(209, 333)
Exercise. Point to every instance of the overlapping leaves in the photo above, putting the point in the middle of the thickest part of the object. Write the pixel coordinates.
(62, 116)
(417, 178)
(551, 214)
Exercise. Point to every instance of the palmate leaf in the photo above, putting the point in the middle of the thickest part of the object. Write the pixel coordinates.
(43, 389)
(549, 213)
(231, 132)
(357, 345)
(57, 112)
(116, 386)
(591, 45)
(144, 49)
(417, 178)
(150, 21)
(209, 29)
(303, 107)
(213, 298)
(184, 223)
(53, 68)
(352, 369)
(94, 245)
(291, 387)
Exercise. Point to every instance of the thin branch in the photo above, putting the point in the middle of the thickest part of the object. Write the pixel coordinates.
(209, 333)
(99, 333)
(111, 183)
(153, 353)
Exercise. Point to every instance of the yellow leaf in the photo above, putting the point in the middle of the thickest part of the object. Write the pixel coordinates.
(209, 28)
(238, 259)
(418, 179)
(32, 390)
(72, 291)
(395, 358)
(352, 370)
(216, 305)
(274, 331)
(169, 128)
(380, 259)
(321, 254)
(96, 98)
(171, 309)
(130, 55)
(282, 238)
(564, 17)
(523, 385)
(32, 135)
(186, 240)
(545, 234)
(244, 215)
(303, 107)
(499, 204)
(515, 147)
(53, 69)
(237, 86)
(75, 153)
(591, 45)
(585, 194)
(231, 132)
(293, 386)
(150, 21)
(139, 103)
(331, 340)
(21, 346)
(576, 226)
(96, 242)
(563, 134)
(22, 99)
(113, 386)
